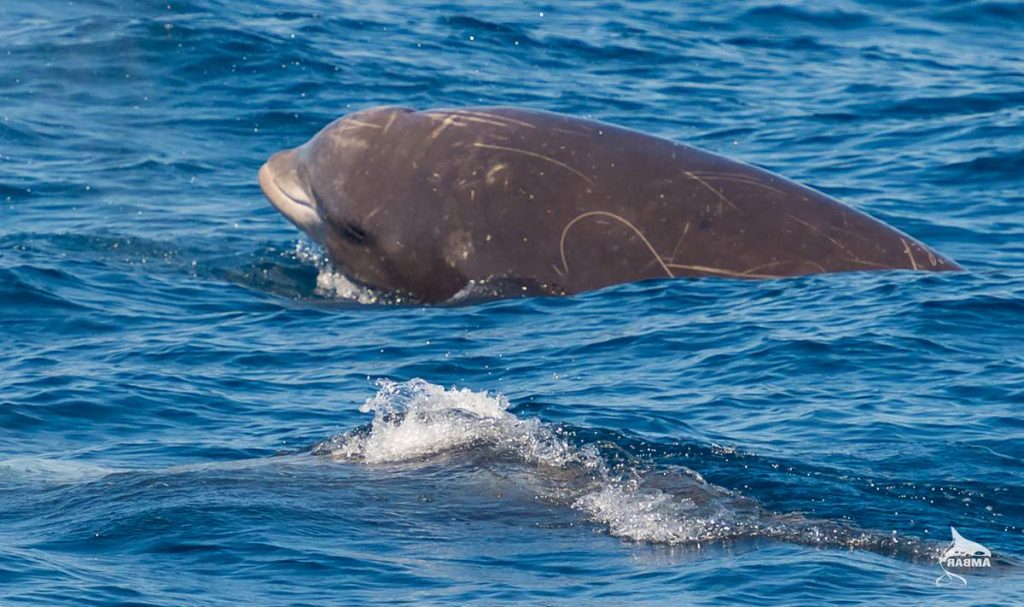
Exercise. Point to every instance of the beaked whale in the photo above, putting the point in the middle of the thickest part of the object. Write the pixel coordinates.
(422, 203)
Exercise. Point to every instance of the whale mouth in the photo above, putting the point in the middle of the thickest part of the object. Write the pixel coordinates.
(295, 198)
(280, 192)
(289, 200)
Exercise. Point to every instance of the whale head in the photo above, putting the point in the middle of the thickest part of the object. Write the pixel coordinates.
(342, 189)
(311, 186)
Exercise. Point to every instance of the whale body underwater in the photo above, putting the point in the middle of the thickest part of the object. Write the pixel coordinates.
(422, 204)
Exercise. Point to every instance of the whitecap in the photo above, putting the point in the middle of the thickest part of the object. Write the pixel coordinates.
(636, 500)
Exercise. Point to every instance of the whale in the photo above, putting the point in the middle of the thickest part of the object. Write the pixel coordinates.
(423, 204)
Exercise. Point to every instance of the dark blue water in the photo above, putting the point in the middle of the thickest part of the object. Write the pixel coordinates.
(181, 376)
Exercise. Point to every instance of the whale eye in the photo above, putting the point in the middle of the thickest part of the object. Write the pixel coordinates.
(347, 230)
(353, 233)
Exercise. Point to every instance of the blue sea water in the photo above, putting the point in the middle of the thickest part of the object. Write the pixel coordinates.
(196, 409)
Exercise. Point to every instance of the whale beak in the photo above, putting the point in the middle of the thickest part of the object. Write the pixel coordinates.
(281, 184)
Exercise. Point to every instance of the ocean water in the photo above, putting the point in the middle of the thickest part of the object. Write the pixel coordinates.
(196, 409)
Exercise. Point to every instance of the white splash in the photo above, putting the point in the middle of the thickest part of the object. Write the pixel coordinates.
(653, 515)
(632, 498)
(330, 282)
(418, 421)
(415, 420)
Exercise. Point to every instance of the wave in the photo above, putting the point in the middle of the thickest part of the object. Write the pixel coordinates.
(990, 168)
(783, 15)
(50, 470)
(996, 14)
(636, 500)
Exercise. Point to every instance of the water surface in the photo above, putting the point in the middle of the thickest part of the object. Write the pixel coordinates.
(191, 408)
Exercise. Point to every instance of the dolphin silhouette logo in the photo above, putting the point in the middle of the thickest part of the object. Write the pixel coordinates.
(961, 554)
(964, 548)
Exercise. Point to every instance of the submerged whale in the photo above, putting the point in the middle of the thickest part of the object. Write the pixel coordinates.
(424, 203)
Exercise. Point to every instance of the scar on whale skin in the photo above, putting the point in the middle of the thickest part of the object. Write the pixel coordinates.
(568, 226)
(535, 155)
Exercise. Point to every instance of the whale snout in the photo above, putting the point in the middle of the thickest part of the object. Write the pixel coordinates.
(284, 186)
